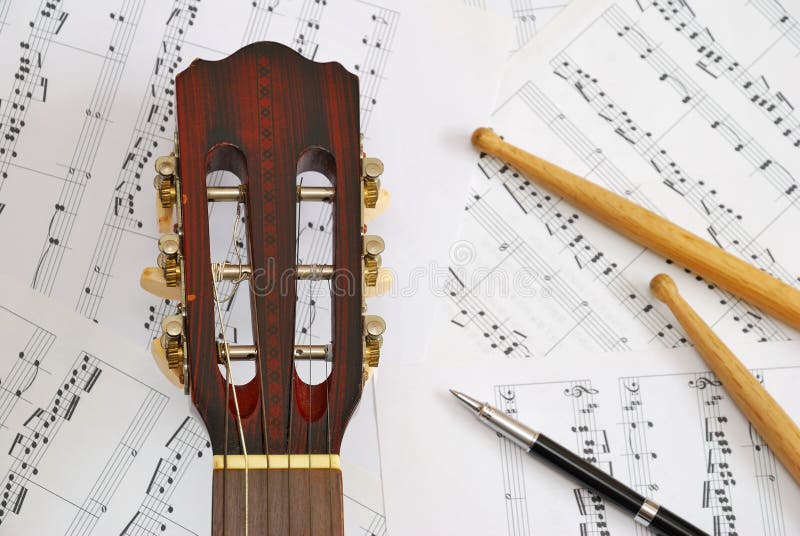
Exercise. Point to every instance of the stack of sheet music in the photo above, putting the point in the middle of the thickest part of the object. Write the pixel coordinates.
(500, 288)
(548, 315)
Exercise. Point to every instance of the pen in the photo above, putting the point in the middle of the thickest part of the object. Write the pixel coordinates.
(646, 512)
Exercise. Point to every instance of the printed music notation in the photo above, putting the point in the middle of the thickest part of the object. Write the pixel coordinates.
(655, 419)
(512, 460)
(529, 16)
(97, 405)
(185, 446)
(88, 199)
(80, 167)
(644, 120)
(29, 85)
(151, 134)
(590, 441)
(377, 48)
(29, 346)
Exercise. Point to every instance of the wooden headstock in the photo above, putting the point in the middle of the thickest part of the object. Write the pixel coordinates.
(266, 114)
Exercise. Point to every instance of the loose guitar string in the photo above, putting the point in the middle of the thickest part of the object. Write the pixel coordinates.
(328, 412)
(217, 271)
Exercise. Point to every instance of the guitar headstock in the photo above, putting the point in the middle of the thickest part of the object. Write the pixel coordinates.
(267, 115)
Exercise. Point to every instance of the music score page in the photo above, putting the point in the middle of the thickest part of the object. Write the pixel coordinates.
(656, 420)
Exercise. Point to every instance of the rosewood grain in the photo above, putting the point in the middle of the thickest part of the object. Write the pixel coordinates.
(283, 502)
(265, 113)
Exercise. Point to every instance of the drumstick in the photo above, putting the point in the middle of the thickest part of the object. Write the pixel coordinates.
(652, 231)
(763, 412)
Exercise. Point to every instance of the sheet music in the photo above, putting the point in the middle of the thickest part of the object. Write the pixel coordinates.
(89, 105)
(657, 420)
(621, 93)
(96, 437)
(90, 431)
(529, 16)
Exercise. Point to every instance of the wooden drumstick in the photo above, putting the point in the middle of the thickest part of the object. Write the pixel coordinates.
(652, 231)
(766, 416)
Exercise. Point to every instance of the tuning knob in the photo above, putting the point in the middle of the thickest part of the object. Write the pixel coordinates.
(372, 169)
(381, 205)
(382, 285)
(174, 376)
(373, 246)
(153, 281)
(374, 327)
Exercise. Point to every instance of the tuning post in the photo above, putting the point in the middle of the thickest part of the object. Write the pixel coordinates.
(372, 169)
(226, 193)
(373, 246)
(315, 193)
(309, 272)
(249, 352)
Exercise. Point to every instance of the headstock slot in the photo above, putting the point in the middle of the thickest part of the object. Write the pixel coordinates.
(314, 319)
(266, 113)
(229, 245)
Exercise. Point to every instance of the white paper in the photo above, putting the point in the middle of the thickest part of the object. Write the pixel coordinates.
(92, 435)
(85, 90)
(639, 114)
(657, 420)
(529, 16)
(118, 451)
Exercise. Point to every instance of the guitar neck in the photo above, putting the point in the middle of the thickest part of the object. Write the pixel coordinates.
(282, 502)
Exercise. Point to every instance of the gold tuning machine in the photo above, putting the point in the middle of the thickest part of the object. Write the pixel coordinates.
(373, 246)
(166, 166)
(372, 169)
(168, 350)
(169, 258)
(374, 327)
(153, 281)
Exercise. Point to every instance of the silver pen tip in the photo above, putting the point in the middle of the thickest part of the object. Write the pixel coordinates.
(467, 400)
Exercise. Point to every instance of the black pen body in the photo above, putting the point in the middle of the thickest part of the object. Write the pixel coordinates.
(663, 521)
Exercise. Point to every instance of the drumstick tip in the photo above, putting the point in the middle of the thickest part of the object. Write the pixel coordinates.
(483, 138)
(664, 288)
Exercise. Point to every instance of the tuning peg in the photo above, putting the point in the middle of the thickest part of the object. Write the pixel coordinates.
(163, 217)
(372, 248)
(152, 280)
(174, 376)
(384, 199)
(384, 283)
(382, 286)
(374, 327)
(372, 168)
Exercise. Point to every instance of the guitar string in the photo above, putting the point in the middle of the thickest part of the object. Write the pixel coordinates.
(217, 271)
(328, 409)
(291, 385)
(264, 404)
(310, 387)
